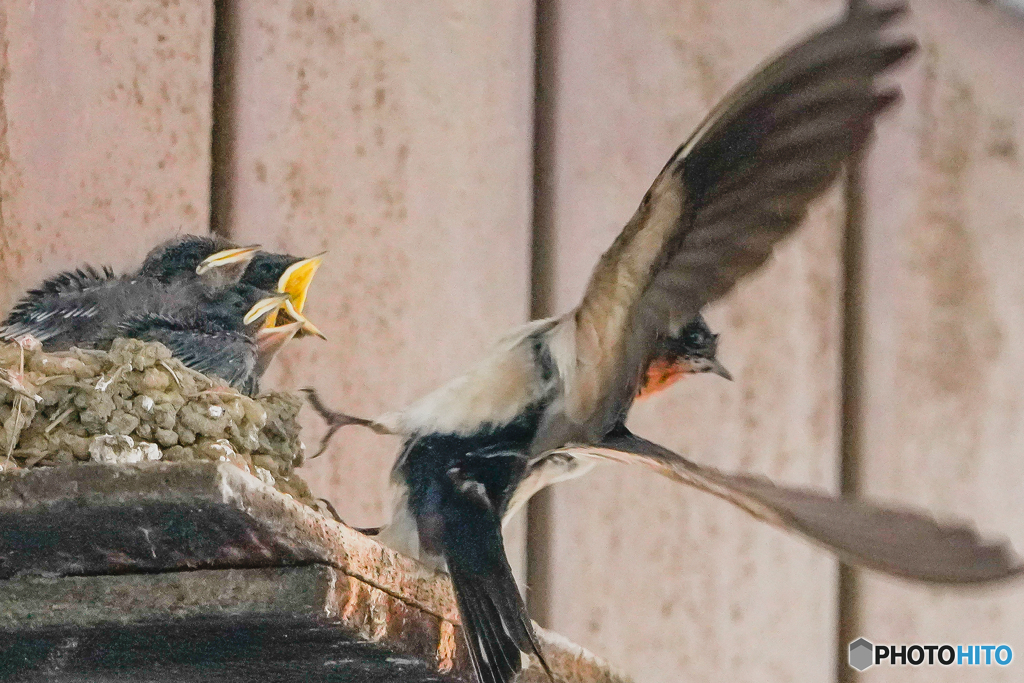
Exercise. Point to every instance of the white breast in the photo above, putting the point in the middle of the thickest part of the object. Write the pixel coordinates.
(494, 391)
(401, 534)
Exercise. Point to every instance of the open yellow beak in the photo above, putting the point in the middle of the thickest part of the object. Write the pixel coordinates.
(239, 256)
(297, 278)
(307, 327)
(265, 307)
(295, 282)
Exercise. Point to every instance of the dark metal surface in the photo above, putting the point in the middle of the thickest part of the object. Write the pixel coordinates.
(200, 572)
(226, 651)
(107, 519)
(298, 624)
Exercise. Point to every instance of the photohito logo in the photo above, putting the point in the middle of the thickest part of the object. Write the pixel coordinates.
(865, 654)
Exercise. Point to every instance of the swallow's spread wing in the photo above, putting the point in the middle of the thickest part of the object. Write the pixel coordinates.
(741, 183)
(897, 541)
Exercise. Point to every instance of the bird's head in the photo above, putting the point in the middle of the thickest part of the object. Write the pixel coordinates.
(692, 350)
(289, 275)
(226, 270)
(177, 259)
(238, 308)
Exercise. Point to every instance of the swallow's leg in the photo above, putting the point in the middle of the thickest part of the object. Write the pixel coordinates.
(336, 420)
(330, 508)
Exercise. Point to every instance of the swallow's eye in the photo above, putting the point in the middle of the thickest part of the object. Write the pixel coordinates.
(694, 338)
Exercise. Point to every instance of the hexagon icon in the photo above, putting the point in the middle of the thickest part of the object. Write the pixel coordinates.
(861, 654)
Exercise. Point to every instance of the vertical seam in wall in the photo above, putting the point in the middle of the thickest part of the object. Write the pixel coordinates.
(222, 135)
(539, 511)
(848, 584)
(6, 250)
(848, 603)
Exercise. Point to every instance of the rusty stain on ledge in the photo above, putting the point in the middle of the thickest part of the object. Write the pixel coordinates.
(180, 559)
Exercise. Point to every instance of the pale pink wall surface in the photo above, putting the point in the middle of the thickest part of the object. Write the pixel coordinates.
(665, 582)
(104, 132)
(944, 366)
(397, 137)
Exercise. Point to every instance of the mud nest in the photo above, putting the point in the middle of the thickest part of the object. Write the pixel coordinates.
(136, 403)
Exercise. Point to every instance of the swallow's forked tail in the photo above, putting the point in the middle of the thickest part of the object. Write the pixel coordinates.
(495, 622)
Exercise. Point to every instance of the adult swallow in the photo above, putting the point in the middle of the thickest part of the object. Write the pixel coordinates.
(558, 390)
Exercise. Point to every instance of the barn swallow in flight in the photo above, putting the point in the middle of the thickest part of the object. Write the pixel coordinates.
(693, 350)
(559, 390)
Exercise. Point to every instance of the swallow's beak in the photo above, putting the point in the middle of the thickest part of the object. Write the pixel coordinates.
(307, 327)
(228, 264)
(295, 282)
(264, 307)
(718, 369)
(270, 340)
(297, 278)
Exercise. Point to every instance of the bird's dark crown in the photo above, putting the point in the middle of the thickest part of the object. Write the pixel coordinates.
(226, 309)
(180, 256)
(694, 340)
(266, 269)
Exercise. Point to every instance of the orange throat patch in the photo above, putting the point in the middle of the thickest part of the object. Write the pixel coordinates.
(661, 374)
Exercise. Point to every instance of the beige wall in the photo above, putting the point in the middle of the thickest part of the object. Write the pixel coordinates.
(399, 137)
(943, 371)
(104, 132)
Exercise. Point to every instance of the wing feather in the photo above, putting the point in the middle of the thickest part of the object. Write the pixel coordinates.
(231, 356)
(727, 196)
(62, 309)
(896, 540)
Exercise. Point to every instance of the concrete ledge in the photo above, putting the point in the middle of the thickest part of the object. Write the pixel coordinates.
(243, 583)
(312, 623)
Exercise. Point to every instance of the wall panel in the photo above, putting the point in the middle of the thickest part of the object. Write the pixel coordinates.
(665, 582)
(104, 132)
(396, 137)
(944, 370)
